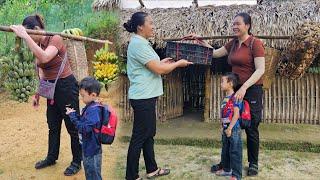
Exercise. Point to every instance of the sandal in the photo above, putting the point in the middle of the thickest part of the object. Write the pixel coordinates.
(73, 169)
(44, 163)
(216, 167)
(253, 171)
(157, 174)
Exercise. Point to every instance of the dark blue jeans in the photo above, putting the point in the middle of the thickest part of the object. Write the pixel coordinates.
(231, 154)
(92, 167)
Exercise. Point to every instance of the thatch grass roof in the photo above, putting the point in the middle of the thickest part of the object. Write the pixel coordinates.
(269, 18)
(105, 4)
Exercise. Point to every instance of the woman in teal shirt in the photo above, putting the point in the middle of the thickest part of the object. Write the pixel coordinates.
(144, 69)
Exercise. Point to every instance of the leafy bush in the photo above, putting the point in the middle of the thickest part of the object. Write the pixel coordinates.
(58, 15)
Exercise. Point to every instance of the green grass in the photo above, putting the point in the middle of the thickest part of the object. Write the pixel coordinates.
(212, 143)
(189, 127)
(191, 162)
(189, 147)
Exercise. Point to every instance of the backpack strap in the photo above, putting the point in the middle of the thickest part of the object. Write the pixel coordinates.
(251, 45)
(101, 106)
(232, 48)
(225, 109)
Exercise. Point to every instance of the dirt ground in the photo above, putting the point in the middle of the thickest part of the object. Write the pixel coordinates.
(23, 141)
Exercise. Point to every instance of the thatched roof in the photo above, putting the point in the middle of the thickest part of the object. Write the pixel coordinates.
(269, 18)
(105, 4)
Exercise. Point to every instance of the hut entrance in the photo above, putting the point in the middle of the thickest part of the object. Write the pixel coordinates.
(193, 85)
(185, 91)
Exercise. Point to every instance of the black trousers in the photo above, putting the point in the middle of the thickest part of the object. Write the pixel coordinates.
(144, 129)
(254, 96)
(66, 92)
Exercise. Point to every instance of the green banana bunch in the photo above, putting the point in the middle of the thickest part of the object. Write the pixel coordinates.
(74, 31)
(20, 80)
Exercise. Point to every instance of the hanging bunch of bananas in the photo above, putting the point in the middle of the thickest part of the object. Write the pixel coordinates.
(103, 55)
(20, 70)
(74, 31)
(106, 66)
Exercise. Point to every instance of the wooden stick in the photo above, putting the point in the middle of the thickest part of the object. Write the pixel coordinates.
(47, 33)
(229, 37)
(207, 95)
(317, 103)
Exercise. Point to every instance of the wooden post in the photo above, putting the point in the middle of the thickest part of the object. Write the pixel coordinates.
(270, 104)
(274, 99)
(308, 98)
(312, 97)
(295, 101)
(219, 96)
(291, 109)
(283, 100)
(227, 37)
(299, 113)
(317, 106)
(207, 95)
(303, 92)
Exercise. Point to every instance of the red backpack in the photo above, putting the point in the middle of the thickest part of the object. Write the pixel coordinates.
(109, 120)
(245, 115)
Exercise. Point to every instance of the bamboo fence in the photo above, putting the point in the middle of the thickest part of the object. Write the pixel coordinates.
(169, 106)
(287, 101)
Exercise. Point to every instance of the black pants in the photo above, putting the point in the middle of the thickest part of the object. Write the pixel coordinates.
(66, 92)
(144, 129)
(254, 97)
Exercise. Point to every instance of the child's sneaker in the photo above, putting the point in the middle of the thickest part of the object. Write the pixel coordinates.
(233, 178)
(223, 173)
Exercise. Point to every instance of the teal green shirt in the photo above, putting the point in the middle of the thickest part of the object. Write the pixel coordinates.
(144, 84)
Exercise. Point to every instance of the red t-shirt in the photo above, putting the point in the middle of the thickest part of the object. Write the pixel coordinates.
(242, 59)
(50, 70)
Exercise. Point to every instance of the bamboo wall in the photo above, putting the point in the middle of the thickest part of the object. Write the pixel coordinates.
(169, 106)
(285, 102)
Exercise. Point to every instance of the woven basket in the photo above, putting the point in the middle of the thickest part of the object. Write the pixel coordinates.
(78, 58)
(272, 59)
(192, 52)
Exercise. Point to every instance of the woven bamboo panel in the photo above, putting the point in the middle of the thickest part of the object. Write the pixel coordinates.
(287, 101)
(78, 58)
(271, 58)
(169, 105)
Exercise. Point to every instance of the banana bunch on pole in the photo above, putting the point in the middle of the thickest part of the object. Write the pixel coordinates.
(19, 68)
(74, 31)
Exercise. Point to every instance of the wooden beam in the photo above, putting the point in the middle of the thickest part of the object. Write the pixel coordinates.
(47, 33)
(229, 37)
